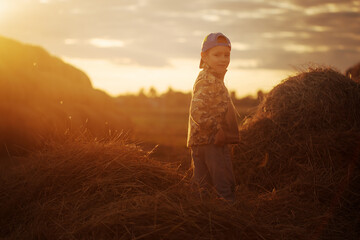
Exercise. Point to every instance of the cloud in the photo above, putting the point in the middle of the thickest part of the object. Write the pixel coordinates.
(242, 6)
(311, 3)
(340, 22)
(271, 34)
(106, 43)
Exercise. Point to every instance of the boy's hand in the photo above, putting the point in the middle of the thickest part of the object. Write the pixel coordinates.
(220, 138)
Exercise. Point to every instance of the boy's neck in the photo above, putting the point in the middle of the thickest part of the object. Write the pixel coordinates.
(220, 75)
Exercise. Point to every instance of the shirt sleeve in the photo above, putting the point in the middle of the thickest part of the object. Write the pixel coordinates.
(209, 104)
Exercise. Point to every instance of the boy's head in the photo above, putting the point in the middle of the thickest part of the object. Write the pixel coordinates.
(215, 51)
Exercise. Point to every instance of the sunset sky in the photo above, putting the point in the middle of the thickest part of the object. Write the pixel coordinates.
(124, 45)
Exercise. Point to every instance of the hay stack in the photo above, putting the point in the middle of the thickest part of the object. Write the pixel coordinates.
(304, 142)
(354, 72)
(111, 190)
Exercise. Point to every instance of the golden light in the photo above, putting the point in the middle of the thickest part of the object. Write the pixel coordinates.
(105, 43)
(3, 8)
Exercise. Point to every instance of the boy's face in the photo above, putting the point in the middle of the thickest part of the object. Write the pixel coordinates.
(217, 58)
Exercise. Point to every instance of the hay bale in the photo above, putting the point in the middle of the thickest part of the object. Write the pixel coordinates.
(304, 141)
(85, 189)
(354, 72)
(317, 100)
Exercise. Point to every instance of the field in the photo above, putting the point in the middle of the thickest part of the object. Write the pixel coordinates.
(78, 164)
(161, 123)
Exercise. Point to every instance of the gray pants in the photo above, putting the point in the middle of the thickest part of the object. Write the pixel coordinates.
(213, 167)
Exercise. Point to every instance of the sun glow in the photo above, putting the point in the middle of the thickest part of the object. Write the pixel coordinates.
(3, 8)
(7, 10)
(118, 79)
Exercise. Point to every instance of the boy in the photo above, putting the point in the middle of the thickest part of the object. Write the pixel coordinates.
(212, 120)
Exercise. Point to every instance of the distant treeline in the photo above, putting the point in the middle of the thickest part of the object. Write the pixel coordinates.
(177, 99)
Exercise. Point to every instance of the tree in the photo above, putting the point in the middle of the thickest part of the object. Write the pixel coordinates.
(152, 92)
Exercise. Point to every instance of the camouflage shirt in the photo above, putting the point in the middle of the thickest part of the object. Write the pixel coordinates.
(209, 105)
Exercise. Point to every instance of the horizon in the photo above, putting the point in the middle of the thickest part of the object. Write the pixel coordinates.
(124, 46)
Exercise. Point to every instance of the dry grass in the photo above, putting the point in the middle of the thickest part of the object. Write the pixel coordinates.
(297, 168)
(86, 189)
(304, 143)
